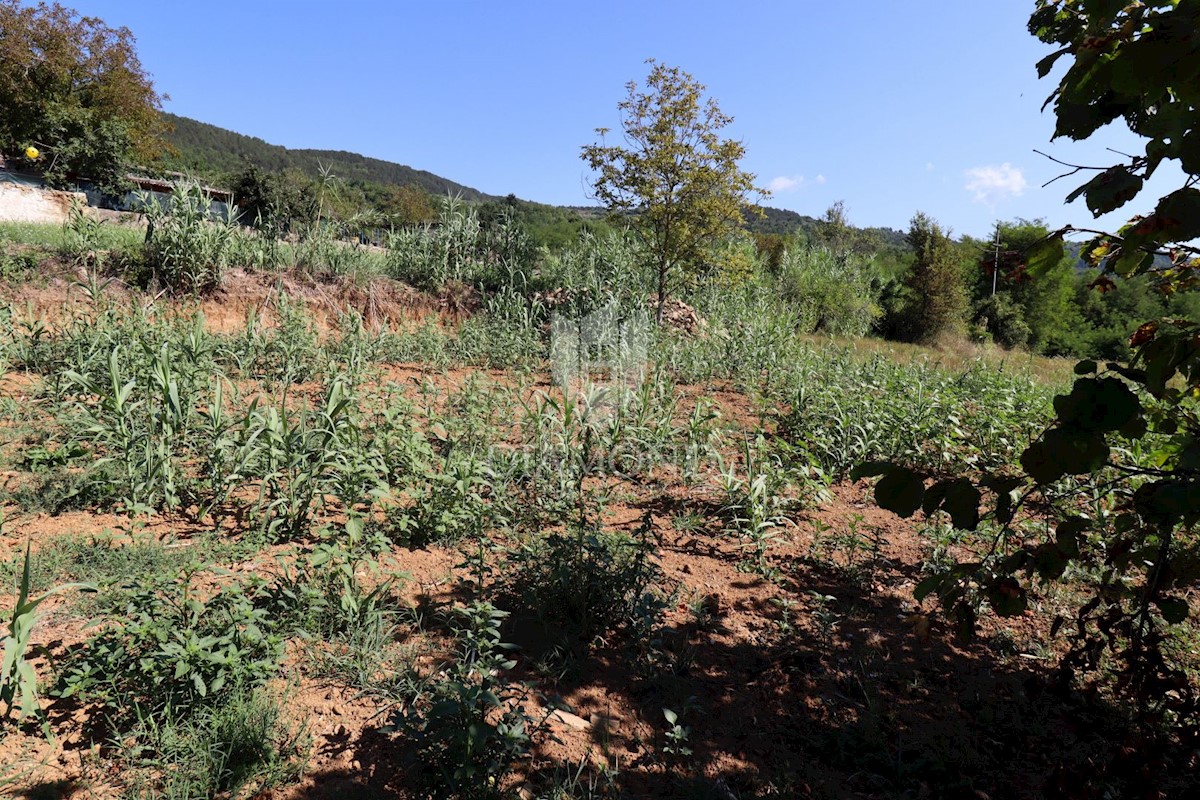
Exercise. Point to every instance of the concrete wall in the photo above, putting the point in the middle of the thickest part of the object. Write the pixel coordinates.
(22, 203)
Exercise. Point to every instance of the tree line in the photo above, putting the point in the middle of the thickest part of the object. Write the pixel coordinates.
(73, 92)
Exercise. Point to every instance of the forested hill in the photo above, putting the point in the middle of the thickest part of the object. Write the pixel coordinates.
(784, 222)
(215, 153)
(211, 150)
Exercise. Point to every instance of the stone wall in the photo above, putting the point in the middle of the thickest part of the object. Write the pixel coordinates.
(23, 203)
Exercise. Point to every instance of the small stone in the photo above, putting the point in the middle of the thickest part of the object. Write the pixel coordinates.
(570, 720)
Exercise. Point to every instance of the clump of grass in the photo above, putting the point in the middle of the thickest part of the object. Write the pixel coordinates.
(104, 559)
(241, 748)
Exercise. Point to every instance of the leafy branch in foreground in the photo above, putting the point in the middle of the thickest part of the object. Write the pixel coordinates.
(1106, 495)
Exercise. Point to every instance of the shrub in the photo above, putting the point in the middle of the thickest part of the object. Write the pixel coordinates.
(467, 723)
(240, 748)
(836, 292)
(1003, 319)
(169, 649)
(582, 584)
(187, 244)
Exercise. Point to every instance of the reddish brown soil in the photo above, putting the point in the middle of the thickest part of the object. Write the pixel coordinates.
(826, 680)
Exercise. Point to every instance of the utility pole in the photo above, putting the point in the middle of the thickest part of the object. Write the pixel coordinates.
(996, 262)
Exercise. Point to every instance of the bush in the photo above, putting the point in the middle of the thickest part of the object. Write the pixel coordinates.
(171, 650)
(466, 723)
(835, 292)
(243, 744)
(187, 244)
(580, 585)
(1003, 319)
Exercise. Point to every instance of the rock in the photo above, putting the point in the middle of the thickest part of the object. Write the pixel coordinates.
(570, 720)
(679, 315)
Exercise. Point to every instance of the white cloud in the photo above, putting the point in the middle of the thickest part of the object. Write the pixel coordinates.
(929, 166)
(991, 184)
(786, 183)
(820, 179)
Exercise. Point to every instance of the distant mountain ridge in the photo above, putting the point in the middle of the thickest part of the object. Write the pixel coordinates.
(207, 148)
(212, 150)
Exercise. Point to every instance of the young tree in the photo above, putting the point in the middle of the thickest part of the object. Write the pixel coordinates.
(74, 88)
(834, 231)
(936, 280)
(675, 173)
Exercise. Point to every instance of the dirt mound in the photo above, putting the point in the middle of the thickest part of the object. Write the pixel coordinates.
(682, 317)
(382, 302)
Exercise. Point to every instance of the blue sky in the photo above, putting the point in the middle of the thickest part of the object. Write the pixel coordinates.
(893, 107)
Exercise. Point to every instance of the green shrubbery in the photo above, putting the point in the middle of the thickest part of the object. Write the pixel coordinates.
(173, 648)
(188, 247)
(834, 292)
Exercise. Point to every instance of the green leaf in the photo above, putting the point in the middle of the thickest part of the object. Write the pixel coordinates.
(1189, 151)
(1173, 609)
(1068, 534)
(900, 491)
(871, 469)
(1131, 261)
(1004, 489)
(1098, 404)
(1049, 561)
(1111, 189)
(1043, 256)
(964, 620)
(1168, 501)
(928, 586)
(1179, 215)
(1039, 463)
(1136, 428)
(959, 498)
(1046, 64)
(1128, 373)
(1078, 452)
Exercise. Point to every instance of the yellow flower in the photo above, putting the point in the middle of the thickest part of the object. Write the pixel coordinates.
(32, 153)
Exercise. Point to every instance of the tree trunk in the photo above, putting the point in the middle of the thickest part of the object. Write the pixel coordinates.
(662, 291)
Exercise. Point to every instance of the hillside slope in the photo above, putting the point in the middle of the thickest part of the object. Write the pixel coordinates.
(213, 151)
(208, 149)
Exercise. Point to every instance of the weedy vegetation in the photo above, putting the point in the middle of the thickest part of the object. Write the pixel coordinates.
(444, 508)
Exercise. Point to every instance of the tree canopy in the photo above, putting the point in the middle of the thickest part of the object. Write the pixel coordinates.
(1138, 63)
(936, 280)
(73, 88)
(675, 173)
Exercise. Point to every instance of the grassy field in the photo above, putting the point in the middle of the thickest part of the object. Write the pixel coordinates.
(340, 540)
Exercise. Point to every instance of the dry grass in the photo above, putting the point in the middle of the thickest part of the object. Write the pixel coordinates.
(957, 353)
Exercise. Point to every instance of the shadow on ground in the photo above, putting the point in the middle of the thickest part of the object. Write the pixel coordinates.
(852, 703)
